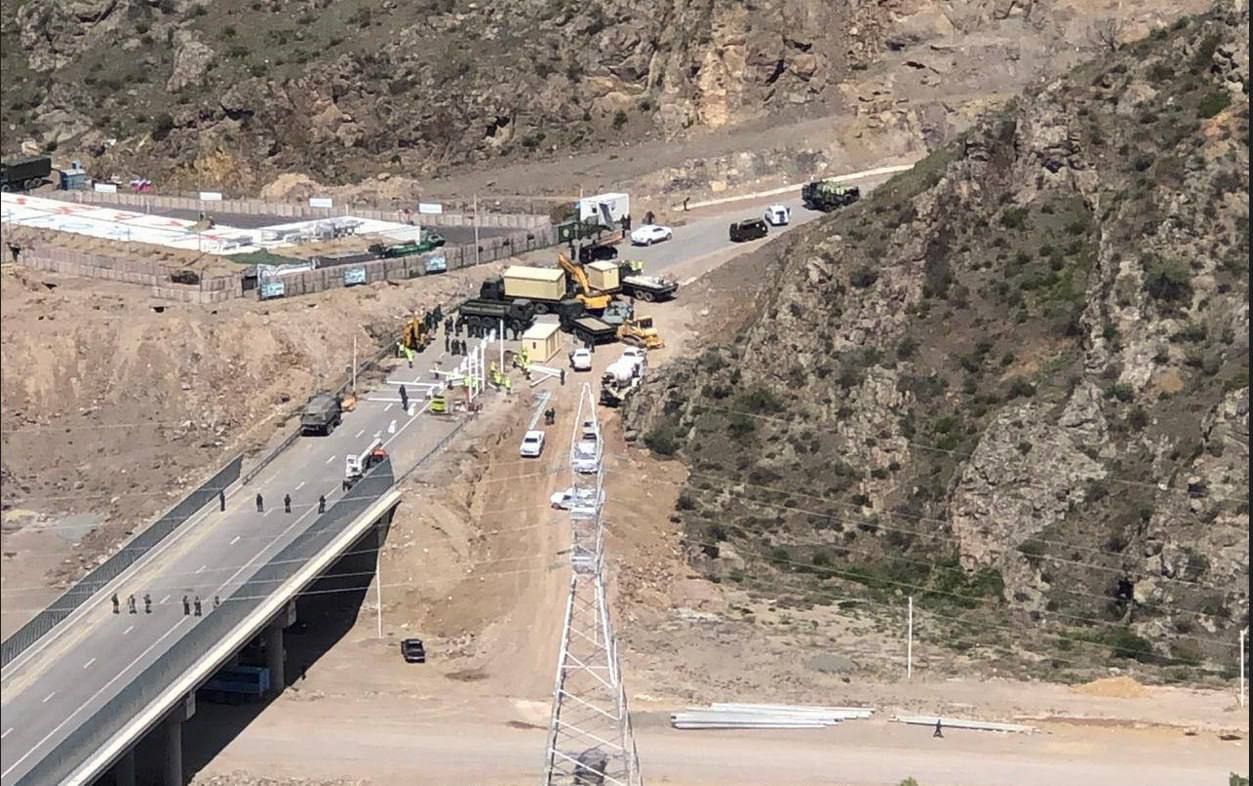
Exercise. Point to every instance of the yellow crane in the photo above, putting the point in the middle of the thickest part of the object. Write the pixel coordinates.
(589, 297)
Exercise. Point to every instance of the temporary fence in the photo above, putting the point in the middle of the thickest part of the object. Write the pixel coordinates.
(214, 289)
(293, 211)
(765, 716)
(111, 568)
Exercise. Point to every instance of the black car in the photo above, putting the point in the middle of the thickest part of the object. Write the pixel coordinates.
(413, 651)
(749, 229)
(597, 253)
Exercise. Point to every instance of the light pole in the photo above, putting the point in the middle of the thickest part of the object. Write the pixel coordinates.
(909, 642)
(1244, 637)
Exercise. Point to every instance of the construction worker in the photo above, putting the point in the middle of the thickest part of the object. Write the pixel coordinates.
(216, 601)
(447, 341)
(322, 504)
(197, 603)
(117, 605)
(147, 603)
(130, 604)
(563, 376)
(287, 503)
(186, 606)
(649, 217)
(404, 398)
(260, 503)
(221, 500)
(508, 386)
(399, 347)
(938, 730)
(685, 201)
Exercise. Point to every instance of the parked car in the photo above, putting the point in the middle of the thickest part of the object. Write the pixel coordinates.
(581, 359)
(413, 651)
(748, 229)
(651, 233)
(532, 444)
(575, 498)
(778, 215)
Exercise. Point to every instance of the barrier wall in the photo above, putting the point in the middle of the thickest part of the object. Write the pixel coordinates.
(214, 627)
(291, 211)
(43, 623)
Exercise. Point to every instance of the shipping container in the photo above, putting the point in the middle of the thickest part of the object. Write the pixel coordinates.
(608, 209)
(542, 341)
(535, 283)
(603, 276)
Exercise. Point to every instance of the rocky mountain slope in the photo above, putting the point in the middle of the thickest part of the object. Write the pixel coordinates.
(230, 92)
(1012, 383)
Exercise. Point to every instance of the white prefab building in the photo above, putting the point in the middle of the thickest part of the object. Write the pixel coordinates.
(608, 208)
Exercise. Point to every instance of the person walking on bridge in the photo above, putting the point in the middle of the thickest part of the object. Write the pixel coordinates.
(130, 604)
(197, 604)
(260, 503)
(147, 603)
(322, 503)
(186, 606)
(287, 503)
(117, 605)
(404, 398)
(221, 500)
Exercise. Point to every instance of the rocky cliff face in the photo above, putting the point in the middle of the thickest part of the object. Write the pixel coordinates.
(1012, 383)
(230, 91)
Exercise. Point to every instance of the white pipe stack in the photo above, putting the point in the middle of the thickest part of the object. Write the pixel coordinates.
(962, 723)
(765, 716)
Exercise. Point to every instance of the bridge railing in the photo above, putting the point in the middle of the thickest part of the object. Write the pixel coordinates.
(43, 623)
(215, 627)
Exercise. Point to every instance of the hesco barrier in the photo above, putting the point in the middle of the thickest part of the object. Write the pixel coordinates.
(214, 627)
(43, 623)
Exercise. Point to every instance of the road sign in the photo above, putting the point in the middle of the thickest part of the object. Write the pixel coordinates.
(210, 196)
(430, 208)
(321, 202)
(272, 289)
(354, 276)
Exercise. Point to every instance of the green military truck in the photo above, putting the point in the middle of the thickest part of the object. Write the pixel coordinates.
(321, 414)
(827, 195)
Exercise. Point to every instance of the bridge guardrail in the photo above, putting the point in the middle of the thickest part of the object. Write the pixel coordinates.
(215, 626)
(44, 622)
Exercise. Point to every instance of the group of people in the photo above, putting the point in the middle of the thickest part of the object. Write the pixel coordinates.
(188, 604)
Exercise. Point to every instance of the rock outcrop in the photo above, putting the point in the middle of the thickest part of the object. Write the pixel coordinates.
(1012, 382)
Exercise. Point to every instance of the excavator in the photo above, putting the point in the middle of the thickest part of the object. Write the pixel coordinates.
(589, 297)
(639, 332)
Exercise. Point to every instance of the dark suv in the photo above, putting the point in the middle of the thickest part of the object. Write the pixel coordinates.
(748, 229)
(413, 651)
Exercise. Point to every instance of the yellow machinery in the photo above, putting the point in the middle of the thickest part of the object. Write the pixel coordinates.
(639, 332)
(590, 298)
(415, 336)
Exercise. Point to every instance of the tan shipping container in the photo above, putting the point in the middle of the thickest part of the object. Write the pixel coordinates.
(542, 341)
(603, 276)
(536, 283)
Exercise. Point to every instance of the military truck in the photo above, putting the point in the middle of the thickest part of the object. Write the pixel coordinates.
(826, 195)
(322, 413)
(482, 315)
(23, 174)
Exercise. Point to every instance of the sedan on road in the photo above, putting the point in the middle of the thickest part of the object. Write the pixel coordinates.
(532, 444)
(651, 233)
(581, 359)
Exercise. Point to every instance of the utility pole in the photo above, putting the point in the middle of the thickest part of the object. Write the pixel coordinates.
(378, 583)
(354, 365)
(909, 642)
(476, 237)
(1244, 638)
(589, 736)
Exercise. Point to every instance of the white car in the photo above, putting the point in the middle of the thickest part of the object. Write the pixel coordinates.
(638, 356)
(778, 215)
(575, 498)
(581, 359)
(532, 444)
(649, 234)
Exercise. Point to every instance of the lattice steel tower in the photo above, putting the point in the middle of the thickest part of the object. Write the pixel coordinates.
(589, 737)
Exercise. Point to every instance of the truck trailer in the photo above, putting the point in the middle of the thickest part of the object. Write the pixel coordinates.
(23, 174)
(480, 314)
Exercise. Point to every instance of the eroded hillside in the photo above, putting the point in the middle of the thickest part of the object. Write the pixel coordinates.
(231, 92)
(1012, 383)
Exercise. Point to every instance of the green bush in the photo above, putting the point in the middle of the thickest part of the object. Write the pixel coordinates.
(663, 440)
(1213, 103)
(863, 277)
(1014, 217)
(619, 119)
(1125, 644)
(1168, 280)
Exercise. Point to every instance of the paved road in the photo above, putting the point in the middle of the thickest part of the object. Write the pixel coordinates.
(61, 680)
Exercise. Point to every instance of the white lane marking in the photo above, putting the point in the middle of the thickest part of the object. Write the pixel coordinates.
(359, 433)
(234, 540)
(300, 485)
(163, 600)
(389, 406)
(391, 427)
(87, 665)
(268, 512)
(132, 627)
(378, 435)
(329, 459)
(408, 423)
(49, 696)
(6, 732)
(202, 568)
(91, 700)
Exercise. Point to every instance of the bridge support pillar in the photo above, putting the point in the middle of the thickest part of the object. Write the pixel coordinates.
(174, 751)
(275, 655)
(125, 769)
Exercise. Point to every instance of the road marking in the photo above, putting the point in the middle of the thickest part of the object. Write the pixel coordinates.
(389, 406)
(163, 600)
(391, 427)
(378, 435)
(329, 459)
(202, 568)
(87, 665)
(6, 732)
(234, 540)
(300, 485)
(132, 627)
(268, 512)
(49, 696)
(359, 433)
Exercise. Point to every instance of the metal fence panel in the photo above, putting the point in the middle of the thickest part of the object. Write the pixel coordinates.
(106, 722)
(43, 623)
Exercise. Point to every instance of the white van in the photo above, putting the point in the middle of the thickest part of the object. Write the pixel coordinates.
(778, 215)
